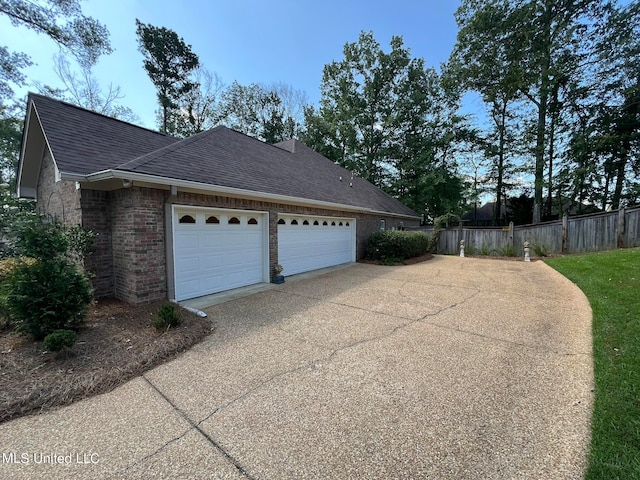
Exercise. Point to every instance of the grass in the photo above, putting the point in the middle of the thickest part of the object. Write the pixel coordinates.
(611, 282)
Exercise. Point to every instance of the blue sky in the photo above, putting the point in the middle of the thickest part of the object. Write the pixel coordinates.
(251, 41)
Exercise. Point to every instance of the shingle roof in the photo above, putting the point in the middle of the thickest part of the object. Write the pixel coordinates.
(84, 142)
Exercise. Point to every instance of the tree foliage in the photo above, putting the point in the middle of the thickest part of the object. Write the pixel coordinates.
(198, 109)
(62, 21)
(82, 88)
(169, 61)
(556, 68)
(387, 118)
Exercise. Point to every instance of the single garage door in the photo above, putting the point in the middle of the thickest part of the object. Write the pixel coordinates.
(217, 250)
(308, 243)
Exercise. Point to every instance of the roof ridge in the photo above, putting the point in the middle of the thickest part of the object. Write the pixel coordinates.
(93, 112)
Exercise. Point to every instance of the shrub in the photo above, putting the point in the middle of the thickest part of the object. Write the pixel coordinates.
(397, 244)
(508, 251)
(540, 250)
(8, 265)
(46, 295)
(57, 340)
(45, 289)
(470, 250)
(168, 317)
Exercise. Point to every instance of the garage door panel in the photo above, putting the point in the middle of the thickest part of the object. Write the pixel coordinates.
(207, 262)
(210, 239)
(187, 240)
(213, 257)
(187, 265)
(211, 282)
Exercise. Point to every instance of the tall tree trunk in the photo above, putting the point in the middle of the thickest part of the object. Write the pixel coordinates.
(542, 112)
(620, 175)
(552, 127)
(497, 212)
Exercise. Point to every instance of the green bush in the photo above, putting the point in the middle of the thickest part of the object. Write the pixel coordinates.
(508, 251)
(45, 296)
(44, 289)
(168, 317)
(397, 244)
(471, 250)
(540, 251)
(56, 341)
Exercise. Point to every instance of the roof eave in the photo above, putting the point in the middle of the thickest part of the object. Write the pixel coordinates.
(219, 189)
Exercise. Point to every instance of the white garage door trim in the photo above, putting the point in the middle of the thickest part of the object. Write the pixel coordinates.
(307, 242)
(218, 249)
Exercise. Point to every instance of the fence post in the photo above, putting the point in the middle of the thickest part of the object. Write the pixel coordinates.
(511, 239)
(565, 233)
(460, 233)
(621, 216)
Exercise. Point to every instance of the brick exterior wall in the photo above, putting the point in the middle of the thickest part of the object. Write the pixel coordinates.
(96, 216)
(60, 199)
(129, 255)
(137, 238)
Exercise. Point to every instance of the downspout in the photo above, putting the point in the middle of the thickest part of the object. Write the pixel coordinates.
(168, 241)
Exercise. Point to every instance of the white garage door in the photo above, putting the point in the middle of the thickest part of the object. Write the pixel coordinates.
(217, 250)
(307, 243)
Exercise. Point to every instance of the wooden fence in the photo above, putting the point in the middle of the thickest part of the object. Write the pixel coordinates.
(585, 233)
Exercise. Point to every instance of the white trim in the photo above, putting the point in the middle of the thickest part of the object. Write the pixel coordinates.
(237, 192)
(46, 147)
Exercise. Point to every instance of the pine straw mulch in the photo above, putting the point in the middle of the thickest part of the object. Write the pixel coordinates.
(116, 343)
(408, 261)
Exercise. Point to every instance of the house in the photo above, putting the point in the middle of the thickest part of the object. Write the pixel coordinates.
(179, 219)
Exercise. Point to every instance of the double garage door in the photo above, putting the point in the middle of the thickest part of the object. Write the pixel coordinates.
(217, 250)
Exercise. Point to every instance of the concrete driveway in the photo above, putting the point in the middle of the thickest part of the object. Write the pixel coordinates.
(454, 368)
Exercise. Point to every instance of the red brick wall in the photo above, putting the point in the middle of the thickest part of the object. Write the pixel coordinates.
(96, 216)
(137, 242)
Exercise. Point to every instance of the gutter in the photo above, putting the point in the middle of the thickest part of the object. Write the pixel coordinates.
(218, 189)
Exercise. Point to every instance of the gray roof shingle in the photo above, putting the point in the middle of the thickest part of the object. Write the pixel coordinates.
(84, 142)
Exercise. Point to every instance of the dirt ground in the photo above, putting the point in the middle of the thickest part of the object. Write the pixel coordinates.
(116, 343)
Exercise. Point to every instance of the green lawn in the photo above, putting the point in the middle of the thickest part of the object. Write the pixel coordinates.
(611, 282)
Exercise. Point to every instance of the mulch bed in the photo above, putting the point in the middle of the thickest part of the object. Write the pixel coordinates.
(117, 342)
(408, 261)
(424, 258)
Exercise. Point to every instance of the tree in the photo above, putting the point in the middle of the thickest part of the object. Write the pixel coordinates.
(293, 103)
(388, 119)
(198, 110)
(256, 111)
(168, 61)
(63, 22)
(618, 118)
(10, 138)
(84, 90)
(539, 44)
